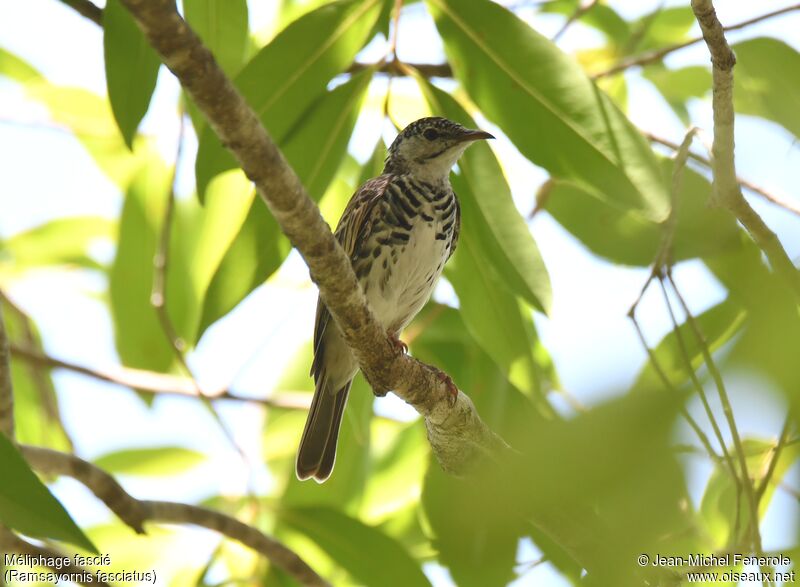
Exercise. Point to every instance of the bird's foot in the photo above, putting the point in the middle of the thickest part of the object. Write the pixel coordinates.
(451, 387)
(399, 346)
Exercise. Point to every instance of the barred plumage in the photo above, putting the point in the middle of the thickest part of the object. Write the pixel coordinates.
(399, 229)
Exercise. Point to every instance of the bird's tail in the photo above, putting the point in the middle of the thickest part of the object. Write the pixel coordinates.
(317, 451)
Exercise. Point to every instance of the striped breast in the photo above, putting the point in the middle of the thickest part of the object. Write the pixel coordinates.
(412, 231)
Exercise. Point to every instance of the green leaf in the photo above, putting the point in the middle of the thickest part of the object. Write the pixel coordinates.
(369, 555)
(719, 503)
(489, 213)
(290, 73)
(222, 25)
(140, 339)
(520, 71)
(627, 237)
(131, 68)
(493, 315)
(150, 462)
(601, 17)
(663, 26)
(678, 86)
(17, 68)
(767, 84)
(719, 324)
(315, 151)
(28, 507)
(63, 241)
(36, 411)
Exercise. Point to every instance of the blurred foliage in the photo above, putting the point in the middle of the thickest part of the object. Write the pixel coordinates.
(591, 489)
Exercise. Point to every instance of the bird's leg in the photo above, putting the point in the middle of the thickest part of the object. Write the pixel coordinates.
(399, 345)
(448, 381)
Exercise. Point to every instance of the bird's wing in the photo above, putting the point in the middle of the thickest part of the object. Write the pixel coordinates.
(456, 230)
(350, 232)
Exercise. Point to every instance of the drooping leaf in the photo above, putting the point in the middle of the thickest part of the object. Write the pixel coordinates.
(222, 26)
(139, 336)
(718, 324)
(601, 17)
(493, 315)
(767, 84)
(478, 549)
(37, 416)
(64, 241)
(290, 73)
(532, 90)
(28, 507)
(131, 68)
(661, 27)
(488, 212)
(87, 115)
(678, 86)
(315, 151)
(369, 555)
(150, 462)
(722, 496)
(17, 68)
(627, 237)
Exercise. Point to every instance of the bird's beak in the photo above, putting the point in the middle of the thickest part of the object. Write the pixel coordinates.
(474, 135)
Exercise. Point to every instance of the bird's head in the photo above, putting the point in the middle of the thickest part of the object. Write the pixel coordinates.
(429, 147)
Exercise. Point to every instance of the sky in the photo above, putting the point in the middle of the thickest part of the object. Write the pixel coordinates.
(592, 342)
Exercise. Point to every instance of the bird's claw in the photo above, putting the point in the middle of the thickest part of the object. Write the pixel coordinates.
(399, 346)
(451, 387)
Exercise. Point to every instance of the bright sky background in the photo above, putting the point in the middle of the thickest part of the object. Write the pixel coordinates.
(47, 174)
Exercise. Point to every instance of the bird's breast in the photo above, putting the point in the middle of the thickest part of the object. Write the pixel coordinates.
(405, 273)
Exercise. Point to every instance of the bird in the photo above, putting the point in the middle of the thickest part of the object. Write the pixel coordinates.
(398, 230)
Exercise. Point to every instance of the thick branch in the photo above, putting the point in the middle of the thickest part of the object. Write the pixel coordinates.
(659, 54)
(158, 383)
(726, 186)
(454, 428)
(134, 512)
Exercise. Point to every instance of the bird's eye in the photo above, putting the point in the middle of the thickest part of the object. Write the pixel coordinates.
(431, 134)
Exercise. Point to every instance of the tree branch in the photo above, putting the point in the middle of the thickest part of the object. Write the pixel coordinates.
(659, 54)
(87, 9)
(582, 8)
(726, 187)
(792, 207)
(135, 512)
(158, 383)
(455, 430)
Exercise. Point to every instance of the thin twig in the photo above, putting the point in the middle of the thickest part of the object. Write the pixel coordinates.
(659, 54)
(701, 392)
(158, 383)
(158, 297)
(398, 6)
(790, 206)
(773, 462)
(135, 512)
(579, 12)
(87, 9)
(727, 411)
